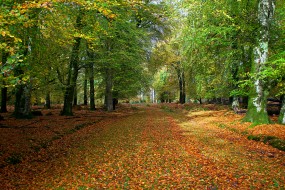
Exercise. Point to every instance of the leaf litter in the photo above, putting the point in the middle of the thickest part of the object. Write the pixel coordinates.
(144, 148)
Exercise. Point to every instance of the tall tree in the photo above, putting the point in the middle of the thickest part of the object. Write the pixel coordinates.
(90, 67)
(169, 53)
(73, 67)
(85, 85)
(259, 92)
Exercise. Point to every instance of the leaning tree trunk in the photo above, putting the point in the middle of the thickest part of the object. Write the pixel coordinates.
(73, 72)
(108, 93)
(281, 118)
(257, 112)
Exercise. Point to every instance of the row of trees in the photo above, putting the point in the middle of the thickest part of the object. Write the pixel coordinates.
(215, 49)
(57, 47)
(225, 49)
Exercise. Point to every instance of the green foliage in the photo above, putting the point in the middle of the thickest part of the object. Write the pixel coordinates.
(144, 43)
(165, 84)
(38, 38)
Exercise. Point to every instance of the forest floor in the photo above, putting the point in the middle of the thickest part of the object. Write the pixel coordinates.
(166, 146)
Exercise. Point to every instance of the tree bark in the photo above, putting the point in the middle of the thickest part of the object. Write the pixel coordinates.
(18, 110)
(181, 79)
(257, 113)
(72, 78)
(91, 81)
(115, 103)
(27, 96)
(4, 92)
(235, 104)
(281, 118)
(75, 96)
(108, 94)
(48, 101)
(200, 101)
(23, 101)
(85, 98)
(68, 98)
(23, 98)
(4, 89)
(73, 71)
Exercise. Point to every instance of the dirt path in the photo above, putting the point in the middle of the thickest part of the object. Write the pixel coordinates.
(151, 149)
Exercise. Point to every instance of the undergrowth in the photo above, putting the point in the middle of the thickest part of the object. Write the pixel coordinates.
(166, 108)
(271, 140)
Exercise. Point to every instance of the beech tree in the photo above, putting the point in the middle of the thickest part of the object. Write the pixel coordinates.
(226, 45)
(169, 53)
(257, 112)
(205, 49)
(73, 68)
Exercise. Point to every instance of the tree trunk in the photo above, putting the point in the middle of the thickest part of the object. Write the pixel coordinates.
(152, 95)
(235, 104)
(48, 101)
(257, 113)
(200, 101)
(27, 97)
(4, 89)
(281, 118)
(19, 101)
(115, 103)
(181, 79)
(68, 99)
(73, 72)
(72, 78)
(108, 94)
(92, 88)
(22, 101)
(75, 96)
(85, 98)
(4, 92)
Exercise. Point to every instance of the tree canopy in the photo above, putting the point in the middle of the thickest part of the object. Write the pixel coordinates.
(184, 50)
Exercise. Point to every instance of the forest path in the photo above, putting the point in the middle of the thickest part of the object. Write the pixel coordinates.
(151, 149)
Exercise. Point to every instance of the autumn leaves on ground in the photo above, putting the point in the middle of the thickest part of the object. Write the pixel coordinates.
(144, 147)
